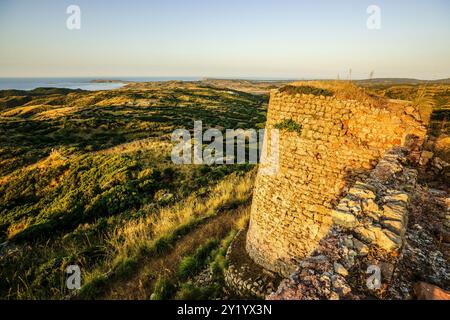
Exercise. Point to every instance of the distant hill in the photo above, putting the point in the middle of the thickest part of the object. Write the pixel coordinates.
(264, 86)
(393, 81)
(37, 92)
(109, 81)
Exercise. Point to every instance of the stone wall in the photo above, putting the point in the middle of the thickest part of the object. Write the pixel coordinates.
(375, 210)
(370, 223)
(341, 140)
(243, 277)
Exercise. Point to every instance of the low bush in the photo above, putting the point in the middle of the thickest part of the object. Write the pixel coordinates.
(289, 125)
(192, 265)
(189, 291)
(306, 90)
(164, 289)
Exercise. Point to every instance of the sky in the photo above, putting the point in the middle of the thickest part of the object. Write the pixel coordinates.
(271, 39)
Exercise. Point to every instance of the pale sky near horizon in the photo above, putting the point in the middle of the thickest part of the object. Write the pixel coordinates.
(232, 38)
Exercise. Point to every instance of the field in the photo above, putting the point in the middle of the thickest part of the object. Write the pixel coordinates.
(86, 179)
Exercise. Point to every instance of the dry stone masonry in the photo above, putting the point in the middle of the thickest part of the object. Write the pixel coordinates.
(243, 277)
(368, 235)
(340, 140)
(375, 212)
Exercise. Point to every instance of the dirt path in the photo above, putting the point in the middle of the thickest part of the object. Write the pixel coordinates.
(140, 286)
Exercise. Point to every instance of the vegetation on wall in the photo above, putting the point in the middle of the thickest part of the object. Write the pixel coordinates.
(289, 125)
(289, 89)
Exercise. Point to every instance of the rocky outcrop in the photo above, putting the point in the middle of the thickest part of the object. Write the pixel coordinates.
(376, 210)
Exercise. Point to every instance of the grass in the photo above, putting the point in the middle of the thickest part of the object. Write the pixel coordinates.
(190, 291)
(143, 280)
(154, 237)
(86, 178)
(424, 102)
(305, 89)
(135, 235)
(164, 289)
(187, 290)
(339, 89)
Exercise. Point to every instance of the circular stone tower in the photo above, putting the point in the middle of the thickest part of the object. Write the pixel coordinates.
(326, 141)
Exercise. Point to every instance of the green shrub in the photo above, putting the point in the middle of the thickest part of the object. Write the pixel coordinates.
(289, 125)
(218, 265)
(192, 265)
(163, 245)
(424, 103)
(93, 288)
(189, 266)
(48, 273)
(164, 289)
(126, 268)
(189, 291)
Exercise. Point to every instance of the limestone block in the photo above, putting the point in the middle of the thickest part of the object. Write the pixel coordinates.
(393, 211)
(395, 226)
(360, 247)
(339, 269)
(362, 191)
(384, 239)
(344, 218)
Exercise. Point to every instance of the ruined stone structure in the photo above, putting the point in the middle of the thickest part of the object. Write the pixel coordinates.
(369, 234)
(340, 141)
(376, 210)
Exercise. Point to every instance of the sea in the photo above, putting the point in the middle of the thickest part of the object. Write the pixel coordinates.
(80, 83)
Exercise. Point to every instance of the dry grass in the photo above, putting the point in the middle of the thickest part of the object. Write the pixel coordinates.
(150, 144)
(343, 90)
(133, 243)
(57, 113)
(5, 163)
(130, 238)
(423, 102)
(18, 227)
(141, 285)
(27, 110)
(116, 101)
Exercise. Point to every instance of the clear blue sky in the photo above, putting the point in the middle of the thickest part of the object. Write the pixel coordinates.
(232, 38)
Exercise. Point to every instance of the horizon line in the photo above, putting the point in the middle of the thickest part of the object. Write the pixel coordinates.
(118, 78)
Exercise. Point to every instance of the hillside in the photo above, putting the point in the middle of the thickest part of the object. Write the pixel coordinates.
(86, 178)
